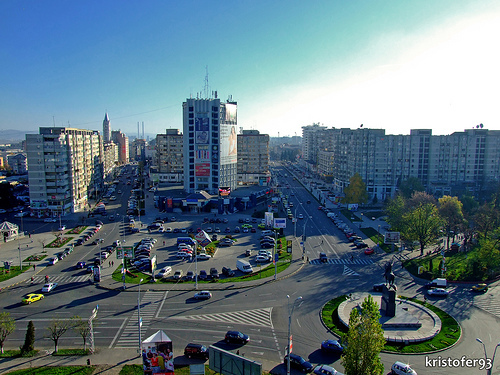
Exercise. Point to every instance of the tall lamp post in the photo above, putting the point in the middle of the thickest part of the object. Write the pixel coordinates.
(488, 370)
(289, 347)
(139, 321)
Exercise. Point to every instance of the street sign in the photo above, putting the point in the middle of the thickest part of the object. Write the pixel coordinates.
(203, 238)
(276, 257)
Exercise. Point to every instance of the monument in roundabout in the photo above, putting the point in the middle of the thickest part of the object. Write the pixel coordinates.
(403, 321)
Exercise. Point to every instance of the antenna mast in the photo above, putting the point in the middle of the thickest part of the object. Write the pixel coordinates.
(206, 88)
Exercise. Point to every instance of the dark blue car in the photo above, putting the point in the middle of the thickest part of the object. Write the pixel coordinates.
(298, 362)
(331, 347)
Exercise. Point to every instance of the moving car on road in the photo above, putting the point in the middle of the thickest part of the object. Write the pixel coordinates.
(48, 287)
(32, 297)
(204, 294)
(438, 292)
(480, 288)
(298, 362)
(236, 337)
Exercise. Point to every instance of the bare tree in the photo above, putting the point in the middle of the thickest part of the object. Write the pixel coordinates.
(83, 328)
(57, 328)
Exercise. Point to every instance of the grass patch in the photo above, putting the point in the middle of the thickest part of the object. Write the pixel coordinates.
(330, 316)
(13, 272)
(129, 279)
(49, 370)
(65, 352)
(449, 335)
(457, 267)
(10, 354)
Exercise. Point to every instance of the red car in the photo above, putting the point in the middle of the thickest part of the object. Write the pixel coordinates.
(369, 251)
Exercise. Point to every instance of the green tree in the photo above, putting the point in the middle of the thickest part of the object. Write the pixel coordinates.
(450, 209)
(7, 326)
(57, 328)
(419, 198)
(486, 219)
(395, 210)
(83, 329)
(410, 186)
(29, 339)
(422, 224)
(356, 191)
(364, 340)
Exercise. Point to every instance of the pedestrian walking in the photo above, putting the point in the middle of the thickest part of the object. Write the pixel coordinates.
(352, 258)
(322, 242)
(109, 264)
(112, 263)
(34, 267)
(32, 279)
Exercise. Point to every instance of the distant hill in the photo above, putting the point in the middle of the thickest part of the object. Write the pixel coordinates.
(13, 136)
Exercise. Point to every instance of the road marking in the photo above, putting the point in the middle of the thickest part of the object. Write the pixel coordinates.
(349, 272)
(256, 317)
(342, 261)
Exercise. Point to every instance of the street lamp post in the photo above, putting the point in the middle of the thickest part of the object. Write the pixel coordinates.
(492, 360)
(139, 321)
(289, 347)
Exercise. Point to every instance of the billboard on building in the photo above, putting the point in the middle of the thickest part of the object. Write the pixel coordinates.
(224, 191)
(391, 237)
(202, 130)
(202, 169)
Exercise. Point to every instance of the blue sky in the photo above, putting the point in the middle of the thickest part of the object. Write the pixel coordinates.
(396, 65)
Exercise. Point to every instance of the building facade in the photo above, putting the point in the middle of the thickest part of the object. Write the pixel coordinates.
(121, 140)
(459, 162)
(210, 145)
(64, 168)
(253, 158)
(18, 163)
(168, 160)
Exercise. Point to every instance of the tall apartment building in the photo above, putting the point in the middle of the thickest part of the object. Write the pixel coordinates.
(106, 129)
(210, 145)
(109, 158)
(311, 140)
(253, 158)
(168, 161)
(462, 161)
(137, 149)
(121, 140)
(64, 167)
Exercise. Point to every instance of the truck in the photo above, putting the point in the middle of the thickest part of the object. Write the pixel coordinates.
(244, 266)
(436, 283)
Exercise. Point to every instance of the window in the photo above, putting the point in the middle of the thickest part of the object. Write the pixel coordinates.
(191, 115)
(191, 122)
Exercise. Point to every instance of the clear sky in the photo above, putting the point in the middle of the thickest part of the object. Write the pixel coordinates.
(396, 65)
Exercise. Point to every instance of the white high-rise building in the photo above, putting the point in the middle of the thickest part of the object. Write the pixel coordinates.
(64, 167)
(210, 145)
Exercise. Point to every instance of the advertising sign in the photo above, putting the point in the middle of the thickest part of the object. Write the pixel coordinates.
(228, 144)
(224, 191)
(391, 237)
(269, 219)
(202, 169)
(202, 130)
(126, 252)
(202, 238)
(280, 223)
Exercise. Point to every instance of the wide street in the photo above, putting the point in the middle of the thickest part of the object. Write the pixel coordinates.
(259, 310)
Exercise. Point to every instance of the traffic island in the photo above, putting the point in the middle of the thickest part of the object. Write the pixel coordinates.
(420, 327)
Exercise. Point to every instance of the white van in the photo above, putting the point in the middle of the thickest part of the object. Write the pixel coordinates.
(267, 233)
(244, 266)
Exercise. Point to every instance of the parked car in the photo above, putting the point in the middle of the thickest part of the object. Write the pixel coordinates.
(236, 337)
(227, 271)
(48, 287)
(214, 274)
(53, 260)
(369, 251)
(298, 362)
(189, 276)
(400, 368)
(203, 256)
(164, 272)
(80, 265)
(203, 275)
(49, 220)
(262, 259)
(378, 287)
(178, 275)
(204, 294)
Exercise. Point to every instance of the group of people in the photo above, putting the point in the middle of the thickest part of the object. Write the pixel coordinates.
(158, 361)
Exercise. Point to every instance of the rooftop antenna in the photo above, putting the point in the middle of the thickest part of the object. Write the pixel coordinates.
(54, 121)
(206, 88)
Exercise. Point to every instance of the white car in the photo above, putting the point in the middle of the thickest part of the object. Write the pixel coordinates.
(164, 272)
(204, 294)
(438, 292)
(184, 254)
(300, 216)
(104, 254)
(262, 259)
(62, 227)
(203, 256)
(49, 220)
(48, 287)
(400, 368)
(178, 274)
(53, 260)
(161, 229)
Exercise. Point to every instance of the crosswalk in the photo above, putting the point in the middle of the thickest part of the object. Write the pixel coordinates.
(129, 336)
(489, 305)
(343, 261)
(60, 279)
(255, 317)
